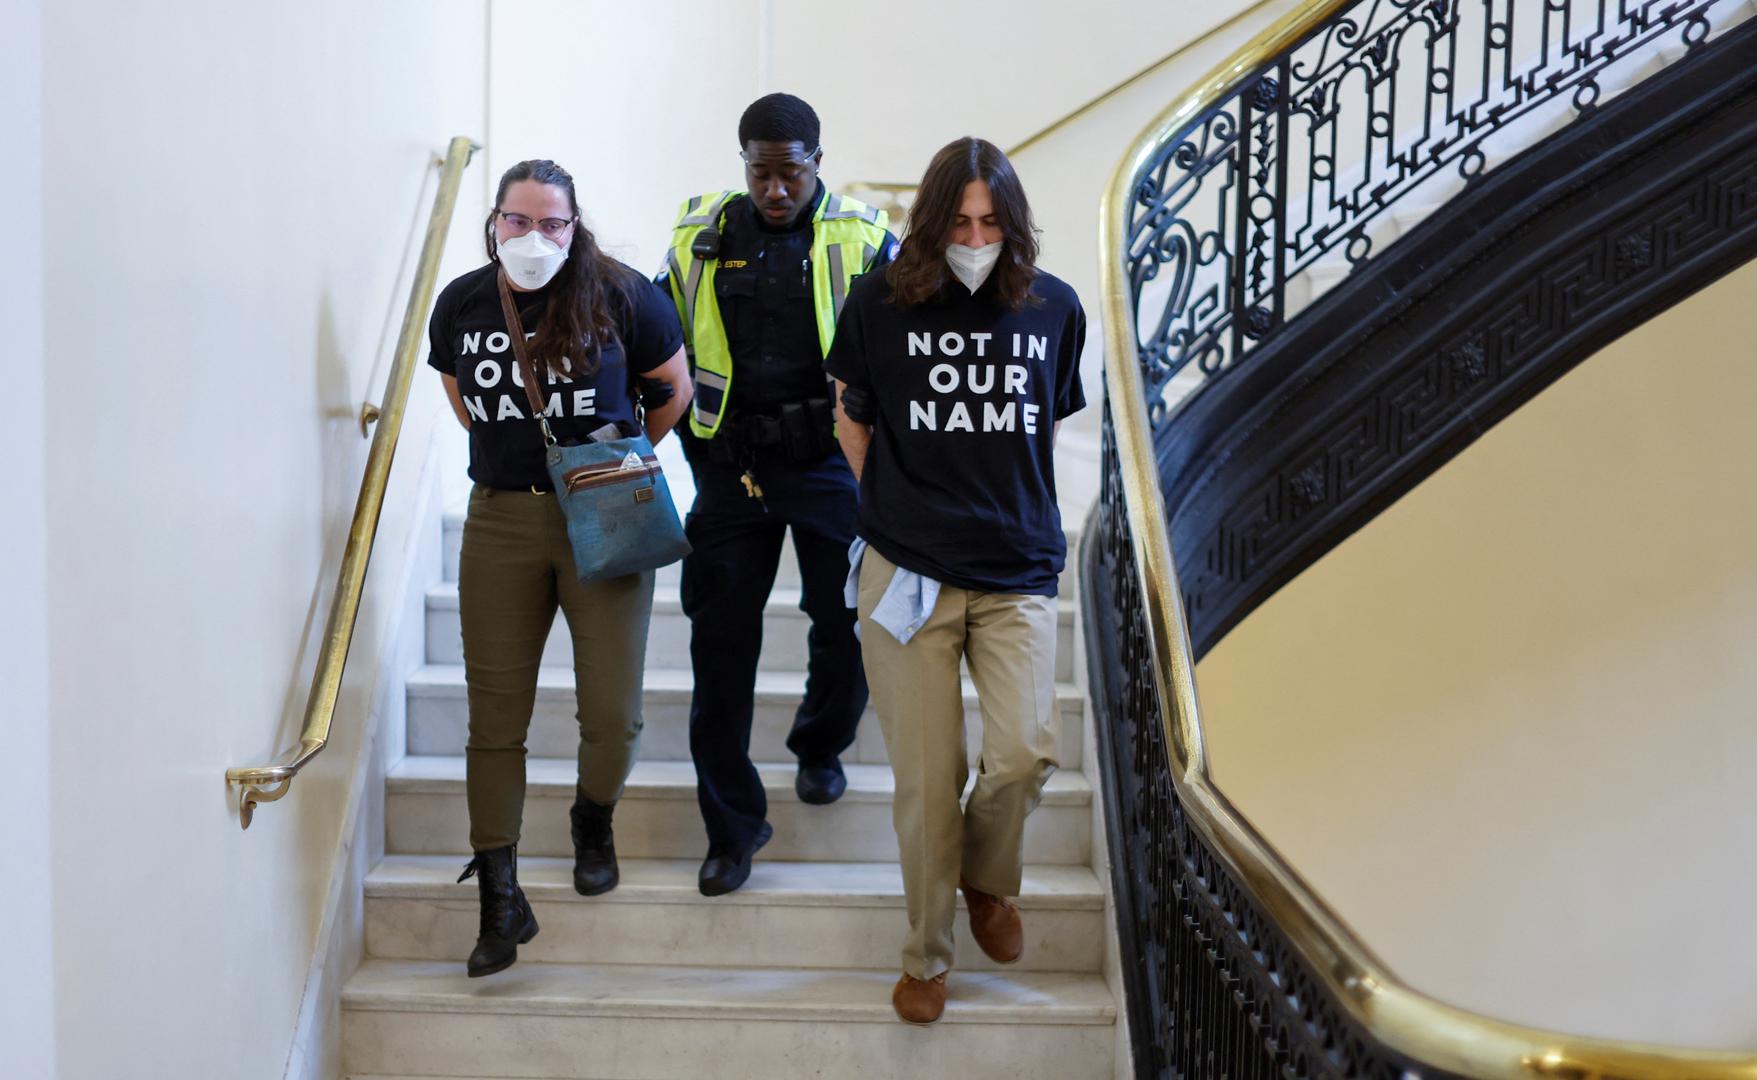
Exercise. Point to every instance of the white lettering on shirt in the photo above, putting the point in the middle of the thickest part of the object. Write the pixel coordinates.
(487, 374)
(473, 406)
(585, 402)
(472, 343)
(977, 379)
(554, 406)
(508, 411)
(501, 337)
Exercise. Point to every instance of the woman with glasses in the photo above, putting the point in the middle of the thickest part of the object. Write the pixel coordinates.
(596, 331)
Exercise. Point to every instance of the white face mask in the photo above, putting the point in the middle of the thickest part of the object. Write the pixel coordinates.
(532, 260)
(972, 265)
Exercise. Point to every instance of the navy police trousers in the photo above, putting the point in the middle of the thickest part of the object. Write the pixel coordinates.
(726, 581)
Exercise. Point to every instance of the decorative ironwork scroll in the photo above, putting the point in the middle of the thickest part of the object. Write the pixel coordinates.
(1215, 988)
(1316, 163)
(1227, 223)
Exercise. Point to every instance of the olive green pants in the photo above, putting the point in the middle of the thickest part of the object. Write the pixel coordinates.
(1009, 642)
(515, 569)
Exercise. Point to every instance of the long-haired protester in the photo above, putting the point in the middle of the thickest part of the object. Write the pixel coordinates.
(953, 371)
(596, 334)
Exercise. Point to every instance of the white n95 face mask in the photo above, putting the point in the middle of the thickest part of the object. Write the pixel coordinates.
(532, 260)
(973, 265)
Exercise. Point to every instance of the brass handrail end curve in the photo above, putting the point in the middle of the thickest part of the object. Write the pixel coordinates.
(251, 794)
(369, 414)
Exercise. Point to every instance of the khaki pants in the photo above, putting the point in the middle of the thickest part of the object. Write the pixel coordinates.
(515, 569)
(1009, 642)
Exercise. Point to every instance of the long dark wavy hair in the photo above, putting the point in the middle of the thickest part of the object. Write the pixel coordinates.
(585, 296)
(920, 270)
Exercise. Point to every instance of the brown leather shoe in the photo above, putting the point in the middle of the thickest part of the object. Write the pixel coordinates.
(920, 1001)
(994, 923)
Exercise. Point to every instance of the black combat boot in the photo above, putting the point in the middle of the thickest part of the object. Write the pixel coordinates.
(594, 848)
(507, 919)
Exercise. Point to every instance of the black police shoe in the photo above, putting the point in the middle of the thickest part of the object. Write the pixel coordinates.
(507, 919)
(726, 868)
(820, 782)
(594, 848)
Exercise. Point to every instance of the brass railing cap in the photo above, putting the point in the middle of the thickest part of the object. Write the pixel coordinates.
(266, 783)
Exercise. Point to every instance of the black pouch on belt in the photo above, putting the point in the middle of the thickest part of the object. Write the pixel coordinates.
(808, 429)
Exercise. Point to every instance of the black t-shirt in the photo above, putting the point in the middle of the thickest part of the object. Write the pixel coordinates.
(958, 483)
(468, 338)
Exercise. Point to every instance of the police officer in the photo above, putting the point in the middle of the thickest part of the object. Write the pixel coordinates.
(759, 277)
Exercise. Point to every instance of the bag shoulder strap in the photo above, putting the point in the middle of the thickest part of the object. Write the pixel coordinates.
(515, 329)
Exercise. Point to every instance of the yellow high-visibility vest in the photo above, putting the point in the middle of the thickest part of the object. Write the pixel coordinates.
(846, 237)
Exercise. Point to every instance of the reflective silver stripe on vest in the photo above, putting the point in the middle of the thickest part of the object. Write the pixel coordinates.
(694, 282)
(688, 296)
(838, 282)
(710, 395)
(833, 211)
(712, 215)
(867, 251)
(690, 288)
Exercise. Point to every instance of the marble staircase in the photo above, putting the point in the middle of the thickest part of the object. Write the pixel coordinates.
(789, 976)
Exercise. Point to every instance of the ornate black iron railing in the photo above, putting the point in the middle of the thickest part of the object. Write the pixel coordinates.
(1303, 168)
(1216, 988)
(1234, 967)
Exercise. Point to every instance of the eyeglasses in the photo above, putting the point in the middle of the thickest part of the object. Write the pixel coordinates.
(792, 170)
(519, 224)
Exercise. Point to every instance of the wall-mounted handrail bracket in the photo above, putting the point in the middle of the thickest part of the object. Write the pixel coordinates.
(267, 783)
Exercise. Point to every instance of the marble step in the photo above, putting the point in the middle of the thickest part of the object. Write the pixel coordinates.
(784, 631)
(438, 716)
(806, 915)
(650, 1023)
(425, 814)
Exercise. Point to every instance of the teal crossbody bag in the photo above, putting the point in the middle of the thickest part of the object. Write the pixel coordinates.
(620, 517)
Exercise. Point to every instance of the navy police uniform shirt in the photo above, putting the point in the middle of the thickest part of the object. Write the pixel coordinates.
(763, 286)
(468, 339)
(959, 484)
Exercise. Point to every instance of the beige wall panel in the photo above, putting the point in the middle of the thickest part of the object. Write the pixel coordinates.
(27, 999)
(231, 192)
(1507, 728)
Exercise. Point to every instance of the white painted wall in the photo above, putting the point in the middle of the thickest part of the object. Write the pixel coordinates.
(27, 994)
(1507, 728)
(230, 195)
(653, 118)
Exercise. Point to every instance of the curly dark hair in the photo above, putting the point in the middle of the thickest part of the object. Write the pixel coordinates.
(920, 270)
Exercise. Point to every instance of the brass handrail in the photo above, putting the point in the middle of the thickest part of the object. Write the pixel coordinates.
(1398, 1016)
(266, 783)
(897, 187)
